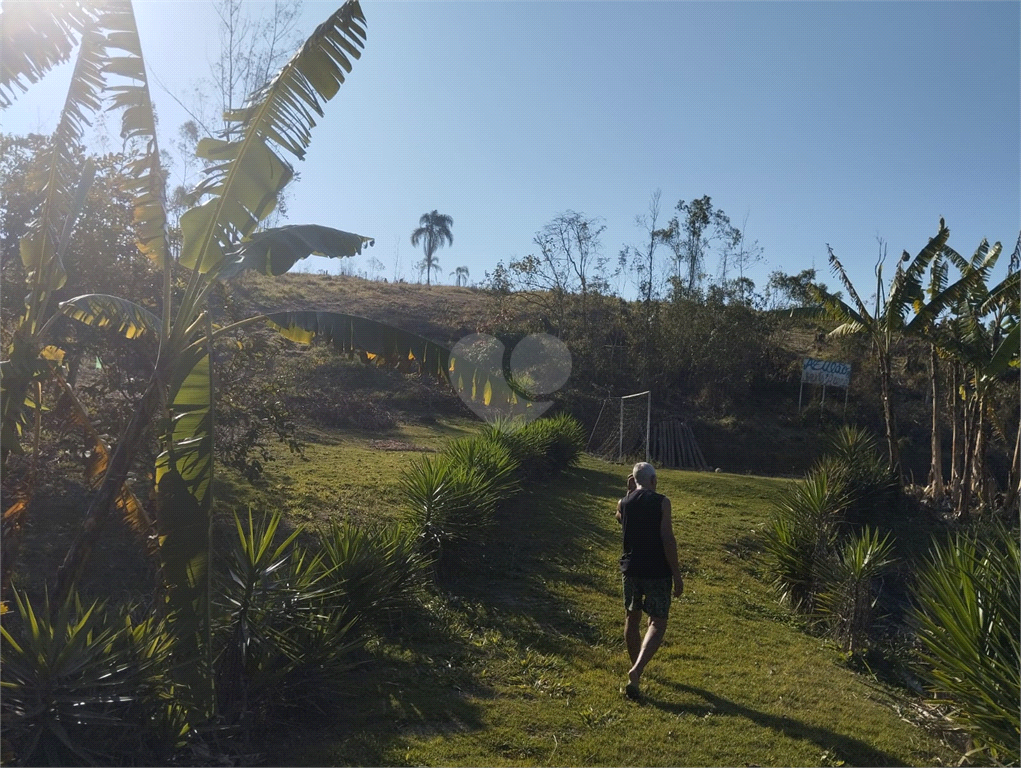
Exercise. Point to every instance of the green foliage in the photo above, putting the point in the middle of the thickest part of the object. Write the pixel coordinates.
(87, 685)
(966, 617)
(491, 457)
(283, 624)
(375, 571)
(849, 578)
(823, 563)
(800, 535)
(448, 501)
(854, 461)
(543, 447)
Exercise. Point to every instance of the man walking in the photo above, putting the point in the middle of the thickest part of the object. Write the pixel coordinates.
(649, 568)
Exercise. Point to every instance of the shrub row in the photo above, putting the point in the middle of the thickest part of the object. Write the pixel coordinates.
(453, 496)
(827, 558)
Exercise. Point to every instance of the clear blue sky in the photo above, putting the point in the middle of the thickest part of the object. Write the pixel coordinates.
(825, 122)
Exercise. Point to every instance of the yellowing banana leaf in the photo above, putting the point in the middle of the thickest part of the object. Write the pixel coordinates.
(245, 185)
(275, 251)
(138, 121)
(34, 38)
(103, 311)
(483, 384)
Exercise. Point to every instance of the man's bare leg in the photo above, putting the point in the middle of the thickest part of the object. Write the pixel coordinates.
(653, 639)
(633, 634)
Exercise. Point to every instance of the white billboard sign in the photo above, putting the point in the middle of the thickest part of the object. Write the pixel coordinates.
(826, 372)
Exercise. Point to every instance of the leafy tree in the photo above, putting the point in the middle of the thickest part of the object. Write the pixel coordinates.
(433, 231)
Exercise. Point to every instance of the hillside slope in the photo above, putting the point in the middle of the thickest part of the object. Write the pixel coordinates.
(518, 658)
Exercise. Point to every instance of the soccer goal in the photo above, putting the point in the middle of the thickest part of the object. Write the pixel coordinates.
(622, 428)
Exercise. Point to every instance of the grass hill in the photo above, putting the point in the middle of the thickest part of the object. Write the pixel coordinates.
(517, 657)
(761, 431)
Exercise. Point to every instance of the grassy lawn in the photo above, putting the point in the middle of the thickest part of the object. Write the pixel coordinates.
(517, 656)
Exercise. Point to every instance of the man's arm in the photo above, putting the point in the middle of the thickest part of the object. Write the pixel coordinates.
(631, 485)
(666, 530)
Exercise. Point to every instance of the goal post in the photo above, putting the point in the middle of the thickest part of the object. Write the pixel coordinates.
(622, 428)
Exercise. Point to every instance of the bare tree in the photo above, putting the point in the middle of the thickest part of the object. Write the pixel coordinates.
(691, 235)
(743, 255)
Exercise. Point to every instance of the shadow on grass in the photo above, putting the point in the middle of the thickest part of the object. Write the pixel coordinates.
(542, 539)
(846, 748)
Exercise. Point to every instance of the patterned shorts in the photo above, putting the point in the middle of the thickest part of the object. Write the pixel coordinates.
(648, 594)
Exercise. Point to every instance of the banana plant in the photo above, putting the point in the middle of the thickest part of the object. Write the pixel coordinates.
(221, 239)
(892, 317)
(982, 337)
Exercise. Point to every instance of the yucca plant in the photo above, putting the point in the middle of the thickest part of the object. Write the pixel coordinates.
(86, 685)
(562, 439)
(849, 586)
(853, 459)
(374, 571)
(800, 536)
(447, 502)
(966, 618)
(490, 457)
(526, 446)
(284, 623)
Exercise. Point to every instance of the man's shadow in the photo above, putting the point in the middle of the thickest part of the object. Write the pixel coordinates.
(851, 750)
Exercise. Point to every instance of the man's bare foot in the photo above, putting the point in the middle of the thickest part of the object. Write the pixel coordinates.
(632, 690)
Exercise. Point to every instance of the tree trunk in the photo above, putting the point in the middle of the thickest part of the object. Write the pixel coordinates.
(955, 447)
(1014, 475)
(936, 489)
(103, 501)
(967, 456)
(891, 424)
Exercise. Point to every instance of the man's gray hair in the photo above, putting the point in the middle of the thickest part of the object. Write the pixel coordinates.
(644, 473)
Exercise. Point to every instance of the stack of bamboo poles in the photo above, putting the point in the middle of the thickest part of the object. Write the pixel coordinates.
(672, 444)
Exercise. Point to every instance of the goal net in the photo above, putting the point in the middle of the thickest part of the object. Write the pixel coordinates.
(621, 433)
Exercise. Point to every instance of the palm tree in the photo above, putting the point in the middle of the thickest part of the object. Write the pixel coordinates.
(460, 276)
(433, 232)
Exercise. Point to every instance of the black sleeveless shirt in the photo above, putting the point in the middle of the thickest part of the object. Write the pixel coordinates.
(641, 517)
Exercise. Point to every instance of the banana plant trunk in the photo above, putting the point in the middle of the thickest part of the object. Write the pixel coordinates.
(967, 457)
(1014, 476)
(936, 488)
(955, 408)
(102, 502)
(891, 424)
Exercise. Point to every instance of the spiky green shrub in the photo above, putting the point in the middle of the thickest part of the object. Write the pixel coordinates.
(849, 582)
(86, 686)
(966, 617)
(562, 439)
(800, 535)
(376, 571)
(446, 501)
(853, 459)
(542, 447)
(526, 446)
(284, 626)
(490, 457)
